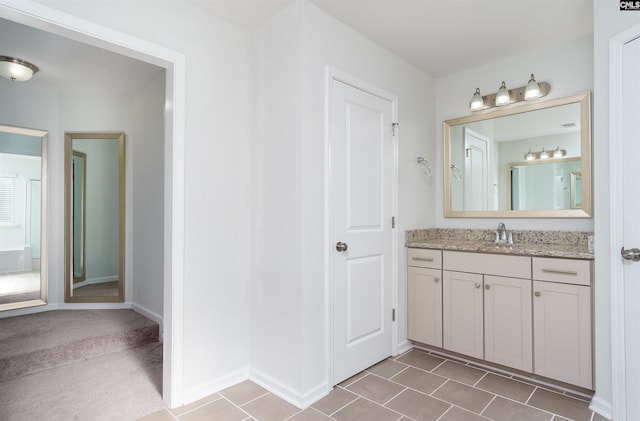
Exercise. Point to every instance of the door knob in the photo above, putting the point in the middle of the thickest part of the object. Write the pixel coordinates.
(340, 246)
(631, 254)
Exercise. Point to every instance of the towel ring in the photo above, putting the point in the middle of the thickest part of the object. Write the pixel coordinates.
(425, 166)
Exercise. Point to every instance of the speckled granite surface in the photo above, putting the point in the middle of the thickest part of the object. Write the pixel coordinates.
(566, 244)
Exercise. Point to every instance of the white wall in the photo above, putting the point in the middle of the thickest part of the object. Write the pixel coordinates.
(217, 178)
(608, 21)
(568, 67)
(148, 197)
(289, 325)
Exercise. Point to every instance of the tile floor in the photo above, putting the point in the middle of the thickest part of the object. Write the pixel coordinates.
(414, 386)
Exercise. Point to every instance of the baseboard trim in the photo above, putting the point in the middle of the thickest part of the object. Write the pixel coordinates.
(601, 406)
(404, 346)
(198, 392)
(151, 315)
(94, 306)
(295, 398)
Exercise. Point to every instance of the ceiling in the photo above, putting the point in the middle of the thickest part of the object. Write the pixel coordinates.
(441, 37)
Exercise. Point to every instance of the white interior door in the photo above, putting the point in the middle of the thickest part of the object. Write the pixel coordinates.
(476, 170)
(624, 208)
(362, 177)
(630, 131)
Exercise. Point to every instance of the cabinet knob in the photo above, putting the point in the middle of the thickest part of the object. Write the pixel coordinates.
(537, 293)
(487, 287)
(477, 284)
(436, 280)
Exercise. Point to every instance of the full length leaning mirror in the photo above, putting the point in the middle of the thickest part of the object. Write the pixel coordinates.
(23, 217)
(94, 217)
(532, 160)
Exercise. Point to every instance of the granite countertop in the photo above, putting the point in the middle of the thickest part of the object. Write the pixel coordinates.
(564, 244)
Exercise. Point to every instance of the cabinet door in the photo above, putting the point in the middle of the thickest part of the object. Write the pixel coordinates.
(507, 322)
(424, 305)
(562, 332)
(462, 313)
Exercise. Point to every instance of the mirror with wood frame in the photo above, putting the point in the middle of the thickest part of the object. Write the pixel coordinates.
(520, 161)
(94, 217)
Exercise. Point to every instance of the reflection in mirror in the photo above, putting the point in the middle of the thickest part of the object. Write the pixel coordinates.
(79, 176)
(485, 174)
(94, 217)
(23, 211)
(576, 190)
(542, 185)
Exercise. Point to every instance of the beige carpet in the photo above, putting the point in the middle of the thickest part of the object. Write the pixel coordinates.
(40, 341)
(79, 365)
(123, 385)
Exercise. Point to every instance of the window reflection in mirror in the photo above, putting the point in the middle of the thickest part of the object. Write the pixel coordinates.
(23, 211)
(505, 165)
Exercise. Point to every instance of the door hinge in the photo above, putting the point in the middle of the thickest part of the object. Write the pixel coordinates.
(394, 128)
(393, 314)
(393, 222)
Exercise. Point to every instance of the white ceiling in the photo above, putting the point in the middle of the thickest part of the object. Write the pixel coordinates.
(70, 65)
(439, 36)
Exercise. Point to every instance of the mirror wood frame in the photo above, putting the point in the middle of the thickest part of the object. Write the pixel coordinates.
(44, 217)
(68, 266)
(584, 99)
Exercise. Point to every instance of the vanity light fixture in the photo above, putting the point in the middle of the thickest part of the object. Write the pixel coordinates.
(532, 90)
(529, 156)
(477, 102)
(16, 69)
(544, 154)
(559, 153)
(503, 97)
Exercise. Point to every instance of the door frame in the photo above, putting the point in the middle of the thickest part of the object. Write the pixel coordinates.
(333, 74)
(616, 228)
(76, 28)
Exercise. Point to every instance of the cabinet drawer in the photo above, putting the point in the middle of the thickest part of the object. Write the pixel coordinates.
(424, 258)
(490, 264)
(567, 271)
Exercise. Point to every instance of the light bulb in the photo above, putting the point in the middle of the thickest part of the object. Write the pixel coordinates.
(532, 90)
(558, 153)
(529, 156)
(477, 102)
(502, 97)
(544, 154)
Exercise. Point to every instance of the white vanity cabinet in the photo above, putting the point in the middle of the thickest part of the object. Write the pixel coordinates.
(463, 313)
(487, 307)
(532, 314)
(562, 320)
(424, 296)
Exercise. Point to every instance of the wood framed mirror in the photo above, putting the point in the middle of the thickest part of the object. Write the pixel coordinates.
(23, 217)
(500, 163)
(94, 217)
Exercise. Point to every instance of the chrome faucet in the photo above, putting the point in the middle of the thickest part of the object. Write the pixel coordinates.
(502, 236)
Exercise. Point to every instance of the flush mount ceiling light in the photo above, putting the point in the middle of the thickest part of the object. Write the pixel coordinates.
(16, 69)
(533, 90)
